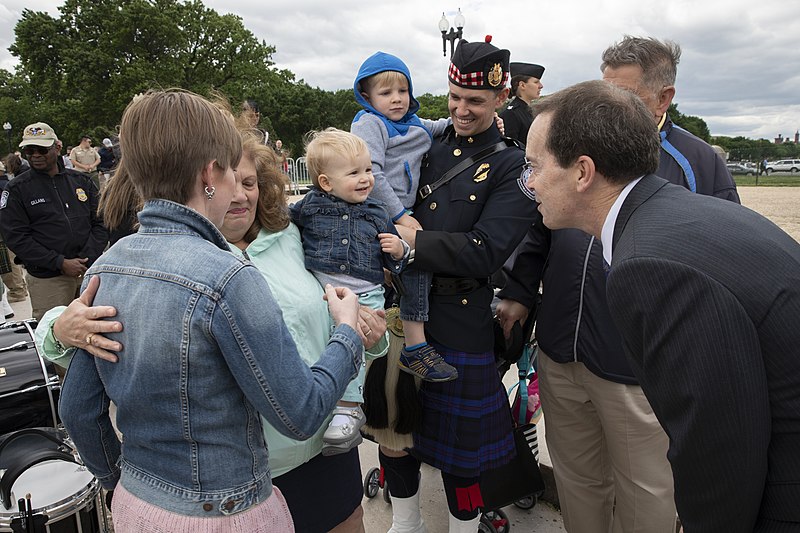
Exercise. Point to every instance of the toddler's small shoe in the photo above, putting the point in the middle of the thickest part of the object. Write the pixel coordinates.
(344, 437)
(426, 364)
(344, 447)
(338, 434)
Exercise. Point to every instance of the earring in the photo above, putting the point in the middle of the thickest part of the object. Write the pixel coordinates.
(210, 192)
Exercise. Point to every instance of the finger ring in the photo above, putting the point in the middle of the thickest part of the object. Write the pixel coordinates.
(89, 338)
(366, 333)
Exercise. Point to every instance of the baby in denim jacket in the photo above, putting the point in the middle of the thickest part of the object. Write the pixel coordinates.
(348, 239)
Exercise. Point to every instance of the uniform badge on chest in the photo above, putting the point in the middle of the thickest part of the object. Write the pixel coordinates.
(481, 173)
(81, 194)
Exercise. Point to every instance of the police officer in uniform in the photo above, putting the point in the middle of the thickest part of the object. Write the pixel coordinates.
(526, 86)
(48, 218)
(474, 210)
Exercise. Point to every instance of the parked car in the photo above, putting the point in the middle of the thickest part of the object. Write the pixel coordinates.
(784, 165)
(739, 168)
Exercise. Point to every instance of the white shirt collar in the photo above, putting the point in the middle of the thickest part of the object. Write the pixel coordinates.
(607, 235)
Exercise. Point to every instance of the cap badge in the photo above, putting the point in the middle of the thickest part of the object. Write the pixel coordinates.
(495, 75)
(35, 132)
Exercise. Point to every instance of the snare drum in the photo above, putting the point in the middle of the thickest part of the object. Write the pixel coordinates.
(28, 384)
(39, 464)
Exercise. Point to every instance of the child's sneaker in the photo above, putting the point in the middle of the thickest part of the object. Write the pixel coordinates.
(342, 438)
(426, 364)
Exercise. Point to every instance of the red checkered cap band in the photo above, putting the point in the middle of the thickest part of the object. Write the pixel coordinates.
(470, 79)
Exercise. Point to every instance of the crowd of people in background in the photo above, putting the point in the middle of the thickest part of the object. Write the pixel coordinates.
(425, 215)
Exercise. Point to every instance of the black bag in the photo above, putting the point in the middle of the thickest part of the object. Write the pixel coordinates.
(518, 479)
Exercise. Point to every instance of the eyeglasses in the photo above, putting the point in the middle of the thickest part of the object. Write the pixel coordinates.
(527, 170)
(41, 150)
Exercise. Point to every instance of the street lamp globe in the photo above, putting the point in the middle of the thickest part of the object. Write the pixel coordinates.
(444, 24)
(459, 20)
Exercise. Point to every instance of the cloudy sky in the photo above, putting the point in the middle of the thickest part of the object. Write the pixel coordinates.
(740, 69)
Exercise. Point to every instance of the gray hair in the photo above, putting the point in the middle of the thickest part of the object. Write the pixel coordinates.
(657, 59)
(608, 124)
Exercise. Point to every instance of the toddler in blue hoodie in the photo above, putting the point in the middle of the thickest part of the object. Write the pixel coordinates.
(397, 140)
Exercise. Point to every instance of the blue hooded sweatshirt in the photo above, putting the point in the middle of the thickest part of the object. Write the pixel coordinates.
(395, 146)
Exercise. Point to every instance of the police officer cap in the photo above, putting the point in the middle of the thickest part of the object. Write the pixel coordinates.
(531, 70)
(479, 65)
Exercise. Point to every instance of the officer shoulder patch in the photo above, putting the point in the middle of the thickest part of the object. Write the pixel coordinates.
(3, 200)
(525, 190)
(81, 194)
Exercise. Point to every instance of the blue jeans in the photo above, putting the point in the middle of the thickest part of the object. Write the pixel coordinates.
(414, 303)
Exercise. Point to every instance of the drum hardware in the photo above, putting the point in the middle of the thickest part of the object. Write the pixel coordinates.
(29, 385)
(21, 345)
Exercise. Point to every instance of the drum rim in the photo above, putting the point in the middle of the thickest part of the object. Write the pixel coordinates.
(61, 509)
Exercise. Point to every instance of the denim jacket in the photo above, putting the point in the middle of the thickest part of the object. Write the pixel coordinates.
(342, 238)
(205, 351)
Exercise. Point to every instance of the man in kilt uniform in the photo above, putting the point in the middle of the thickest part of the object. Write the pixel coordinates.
(474, 210)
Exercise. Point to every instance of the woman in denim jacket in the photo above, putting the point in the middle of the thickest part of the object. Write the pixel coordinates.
(257, 228)
(206, 348)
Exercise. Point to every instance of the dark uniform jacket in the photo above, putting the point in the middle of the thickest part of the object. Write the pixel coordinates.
(574, 323)
(517, 119)
(45, 220)
(471, 226)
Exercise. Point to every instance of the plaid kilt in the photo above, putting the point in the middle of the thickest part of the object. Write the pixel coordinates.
(466, 424)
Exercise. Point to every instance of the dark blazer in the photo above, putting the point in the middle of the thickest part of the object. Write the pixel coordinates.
(706, 295)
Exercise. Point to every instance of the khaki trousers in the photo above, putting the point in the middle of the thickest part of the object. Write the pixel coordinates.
(47, 293)
(608, 450)
(15, 281)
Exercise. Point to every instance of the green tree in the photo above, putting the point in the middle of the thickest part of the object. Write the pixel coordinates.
(695, 125)
(82, 68)
(433, 106)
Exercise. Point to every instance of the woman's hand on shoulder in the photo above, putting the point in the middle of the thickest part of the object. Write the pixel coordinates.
(82, 325)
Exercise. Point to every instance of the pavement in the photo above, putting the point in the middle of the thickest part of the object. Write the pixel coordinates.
(542, 518)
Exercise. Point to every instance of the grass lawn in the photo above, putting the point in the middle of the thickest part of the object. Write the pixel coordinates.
(773, 180)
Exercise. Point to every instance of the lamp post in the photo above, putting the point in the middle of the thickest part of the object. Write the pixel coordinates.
(452, 35)
(7, 127)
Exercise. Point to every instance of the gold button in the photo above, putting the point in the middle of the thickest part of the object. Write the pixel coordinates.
(470, 140)
(433, 206)
(464, 301)
(457, 152)
(472, 197)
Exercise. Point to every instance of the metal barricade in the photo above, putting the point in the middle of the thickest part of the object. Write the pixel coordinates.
(298, 174)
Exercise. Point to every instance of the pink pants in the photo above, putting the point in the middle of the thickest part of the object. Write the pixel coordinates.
(132, 515)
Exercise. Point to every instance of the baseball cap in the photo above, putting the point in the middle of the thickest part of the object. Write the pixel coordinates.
(38, 134)
(107, 143)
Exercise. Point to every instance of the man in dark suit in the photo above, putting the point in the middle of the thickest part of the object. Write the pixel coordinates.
(706, 296)
(608, 450)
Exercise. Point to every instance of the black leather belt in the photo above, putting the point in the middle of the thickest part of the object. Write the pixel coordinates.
(448, 286)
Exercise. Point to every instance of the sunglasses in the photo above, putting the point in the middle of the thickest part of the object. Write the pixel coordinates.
(41, 150)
